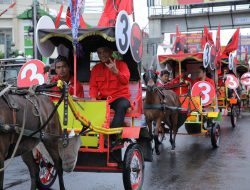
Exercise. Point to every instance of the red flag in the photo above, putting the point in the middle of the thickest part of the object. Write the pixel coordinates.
(82, 23)
(58, 17)
(178, 46)
(207, 37)
(232, 45)
(68, 20)
(218, 50)
(111, 10)
(246, 55)
(109, 14)
(126, 5)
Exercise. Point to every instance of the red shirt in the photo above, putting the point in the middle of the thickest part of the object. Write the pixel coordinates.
(79, 87)
(181, 90)
(161, 84)
(207, 80)
(105, 84)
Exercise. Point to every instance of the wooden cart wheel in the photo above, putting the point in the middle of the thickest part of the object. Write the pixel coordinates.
(133, 168)
(47, 173)
(215, 134)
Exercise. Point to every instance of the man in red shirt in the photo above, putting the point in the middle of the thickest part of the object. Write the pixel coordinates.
(181, 78)
(63, 73)
(202, 76)
(110, 80)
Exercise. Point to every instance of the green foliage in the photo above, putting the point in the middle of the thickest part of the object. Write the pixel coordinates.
(1, 55)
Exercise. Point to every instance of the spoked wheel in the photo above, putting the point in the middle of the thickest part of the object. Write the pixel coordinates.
(133, 168)
(47, 173)
(215, 134)
(234, 115)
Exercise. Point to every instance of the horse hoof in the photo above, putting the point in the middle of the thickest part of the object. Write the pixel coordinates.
(157, 152)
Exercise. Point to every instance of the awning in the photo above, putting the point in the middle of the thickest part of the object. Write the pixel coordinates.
(183, 57)
(27, 14)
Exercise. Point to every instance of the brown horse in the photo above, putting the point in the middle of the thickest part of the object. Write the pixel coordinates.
(38, 109)
(160, 105)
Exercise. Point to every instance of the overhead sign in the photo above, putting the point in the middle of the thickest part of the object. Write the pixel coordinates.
(32, 73)
(189, 2)
(122, 32)
(136, 45)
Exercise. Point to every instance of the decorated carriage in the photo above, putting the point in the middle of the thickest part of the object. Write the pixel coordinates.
(200, 101)
(88, 120)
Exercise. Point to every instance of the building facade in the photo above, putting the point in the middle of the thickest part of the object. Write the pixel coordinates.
(16, 32)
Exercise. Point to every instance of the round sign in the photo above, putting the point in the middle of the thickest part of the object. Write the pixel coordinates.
(231, 61)
(45, 48)
(245, 79)
(205, 90)
(122, 32)
(206, 55)
(136, 45)
(232, 82)
(212, 57)
(32, 73)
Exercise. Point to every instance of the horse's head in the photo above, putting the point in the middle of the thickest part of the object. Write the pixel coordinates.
(150, 78)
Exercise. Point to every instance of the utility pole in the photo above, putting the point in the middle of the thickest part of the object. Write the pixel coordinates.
(34, 28)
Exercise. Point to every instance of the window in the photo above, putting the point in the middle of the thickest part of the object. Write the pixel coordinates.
(53, 1)
(5, 1)
(2, 38)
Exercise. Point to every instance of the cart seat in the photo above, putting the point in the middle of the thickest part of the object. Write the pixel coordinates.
(135, 100)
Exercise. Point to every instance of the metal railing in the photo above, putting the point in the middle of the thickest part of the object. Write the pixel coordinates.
(188, 10)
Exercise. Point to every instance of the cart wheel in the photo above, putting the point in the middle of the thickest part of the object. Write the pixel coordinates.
(215, 134)
(133, 168)
(234, 116)
(47, 174)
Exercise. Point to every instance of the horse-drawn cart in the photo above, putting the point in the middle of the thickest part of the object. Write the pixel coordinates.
(199, 101)
(91, 119)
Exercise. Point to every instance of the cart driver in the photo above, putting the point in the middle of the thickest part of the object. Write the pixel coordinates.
(110, 80)
(62, 70)
(202, 76)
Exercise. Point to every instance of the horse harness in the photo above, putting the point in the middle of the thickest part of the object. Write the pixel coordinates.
(31, 97)
(162, 106)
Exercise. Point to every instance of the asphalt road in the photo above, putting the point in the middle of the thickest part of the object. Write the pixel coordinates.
(193, 165)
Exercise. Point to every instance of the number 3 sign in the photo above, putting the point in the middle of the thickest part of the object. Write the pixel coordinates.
(232, 82)
(205, 90)
(32, 73)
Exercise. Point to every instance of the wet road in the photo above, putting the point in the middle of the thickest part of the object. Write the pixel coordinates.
(194, 165)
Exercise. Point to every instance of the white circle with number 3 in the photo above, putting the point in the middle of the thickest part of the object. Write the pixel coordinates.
(232, 82)
(205, 90)
(245, 79)
(122, 32)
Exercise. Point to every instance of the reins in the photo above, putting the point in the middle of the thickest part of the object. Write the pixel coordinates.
(18, 140)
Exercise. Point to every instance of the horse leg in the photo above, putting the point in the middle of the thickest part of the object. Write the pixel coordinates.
(174, 131)
(156, 133)
(1, 174)
(33, 168)
(54, 153)
(149, 124)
